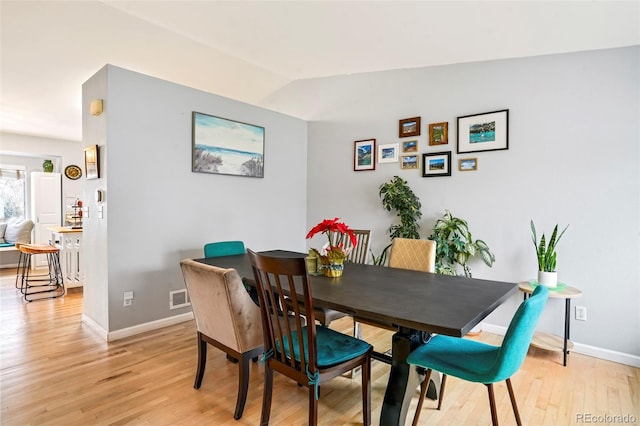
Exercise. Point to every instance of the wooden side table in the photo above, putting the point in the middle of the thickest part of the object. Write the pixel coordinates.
(549, 341)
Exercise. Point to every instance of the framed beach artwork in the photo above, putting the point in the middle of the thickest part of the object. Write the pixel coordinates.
(227, 147)
(483, 132)
(364, 155)
(436, 164)
(408, 162)
(438, 133)
(409, 127)
(388, 153)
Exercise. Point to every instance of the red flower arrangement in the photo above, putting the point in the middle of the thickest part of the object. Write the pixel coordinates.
(331, 253)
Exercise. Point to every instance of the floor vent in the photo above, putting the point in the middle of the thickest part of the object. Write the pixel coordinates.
(178, 299)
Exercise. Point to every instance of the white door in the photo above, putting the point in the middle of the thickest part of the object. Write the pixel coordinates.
(46, 207)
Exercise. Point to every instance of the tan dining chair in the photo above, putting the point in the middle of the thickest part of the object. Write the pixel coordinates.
(226, 318)
(416, 255)
(308, 354)
(406, 253)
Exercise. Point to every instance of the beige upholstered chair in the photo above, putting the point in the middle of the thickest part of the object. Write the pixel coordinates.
(406, 253)
(417, 255)
(226, 318)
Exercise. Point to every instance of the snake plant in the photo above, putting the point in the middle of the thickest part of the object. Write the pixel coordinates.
(546, 251)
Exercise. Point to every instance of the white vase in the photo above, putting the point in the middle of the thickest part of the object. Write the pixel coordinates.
(548, 279)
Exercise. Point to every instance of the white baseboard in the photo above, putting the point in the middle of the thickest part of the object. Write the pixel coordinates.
(607, 354)
(136, 329)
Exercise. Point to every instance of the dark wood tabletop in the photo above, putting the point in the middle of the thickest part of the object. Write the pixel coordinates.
(419, 300)
(410, 301)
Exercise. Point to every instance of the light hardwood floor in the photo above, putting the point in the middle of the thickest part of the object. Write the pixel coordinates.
(56, 371)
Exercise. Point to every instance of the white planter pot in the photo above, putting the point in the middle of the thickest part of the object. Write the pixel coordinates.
(548, 279)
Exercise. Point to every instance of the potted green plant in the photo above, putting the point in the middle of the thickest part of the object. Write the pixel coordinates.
(455, 246)
(546, 255)
(397, 195)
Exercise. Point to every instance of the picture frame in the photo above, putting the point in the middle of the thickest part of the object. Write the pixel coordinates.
(409, 127)
(436, 164)
(409, 162)
(92, 162)
(226, 147)
(488, 131)
(439, 133)
(364, 155)
(410, 146)
(468, 164)
(388, 153)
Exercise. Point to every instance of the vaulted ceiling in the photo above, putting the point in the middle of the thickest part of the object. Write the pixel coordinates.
(247, 50)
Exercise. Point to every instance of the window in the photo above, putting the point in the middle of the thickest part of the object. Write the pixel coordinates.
(12, 192)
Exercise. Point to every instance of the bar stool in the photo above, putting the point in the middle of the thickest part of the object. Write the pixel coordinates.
(49, 282)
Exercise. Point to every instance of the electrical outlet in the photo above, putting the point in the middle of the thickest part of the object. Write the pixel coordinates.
(581, 313)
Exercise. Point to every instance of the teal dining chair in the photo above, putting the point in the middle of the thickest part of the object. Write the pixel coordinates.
(223, 248)
(480, 362)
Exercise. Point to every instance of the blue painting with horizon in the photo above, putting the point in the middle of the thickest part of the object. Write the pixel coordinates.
(482, 132)
(227, 147)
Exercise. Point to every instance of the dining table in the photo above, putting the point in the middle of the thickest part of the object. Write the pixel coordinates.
(415, 304)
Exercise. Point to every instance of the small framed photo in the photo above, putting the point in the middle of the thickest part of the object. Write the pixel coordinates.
(388, 153)
(436, 164)
(410, 146)
(92, 162)
(438, 133)
(468, 164)
(483, 132)
(409, 127)
(364, 155)
(408, 162)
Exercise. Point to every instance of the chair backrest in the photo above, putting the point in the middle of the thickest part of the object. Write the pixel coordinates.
(417, 255)
(361, 252)
(223, 248)
(518, 337)
(222, 308)
(275, 278)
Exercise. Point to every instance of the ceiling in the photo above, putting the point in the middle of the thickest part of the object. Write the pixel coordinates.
(247, 50)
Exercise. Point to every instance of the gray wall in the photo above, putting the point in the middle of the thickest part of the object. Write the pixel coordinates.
(157, 211)
(573, 159)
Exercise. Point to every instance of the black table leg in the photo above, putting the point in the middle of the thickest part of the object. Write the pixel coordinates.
(567, 320)
(403, 379)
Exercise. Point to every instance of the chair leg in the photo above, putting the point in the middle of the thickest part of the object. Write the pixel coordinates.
(202, 361)
(266, 395)
(492, 404)
(423, 393)
(243, 385)
(366, 393)
(513, 402)
(441, 396)
(313, 407)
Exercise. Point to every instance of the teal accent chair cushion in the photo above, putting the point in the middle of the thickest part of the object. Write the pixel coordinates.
(480, 362)
(223, 248)
(332, 347)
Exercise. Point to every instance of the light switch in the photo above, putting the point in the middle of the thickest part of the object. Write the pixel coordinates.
(85, 212)
(99, 212)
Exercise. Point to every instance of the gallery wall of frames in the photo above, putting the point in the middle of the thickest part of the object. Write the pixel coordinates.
(430, 152)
